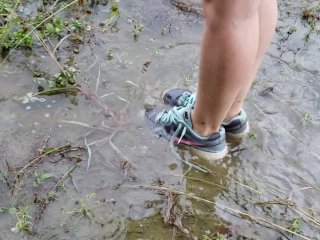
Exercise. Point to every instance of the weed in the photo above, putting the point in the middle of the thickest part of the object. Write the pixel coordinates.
(114, 14)
(115, 9)
(110, 54)
(53, 196)
(40, 177)
(3, 209)
(311, 15)
(306, 118)
(76, 25)
(61, 79)
(159, 52)
(252, 135)
(10, 210)
(311, 29)
(205, 237)
(4, 178)
(164, 31)
(137, 29)
(295, 225)
(123, 63)
(56, 27)
(84, 210)
(186, 79)
(7, 6)
(195, 68)
(23, 224)
(217, 237)
(14, 33)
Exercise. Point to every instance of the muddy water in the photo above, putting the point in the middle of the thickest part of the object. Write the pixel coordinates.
(278, 161)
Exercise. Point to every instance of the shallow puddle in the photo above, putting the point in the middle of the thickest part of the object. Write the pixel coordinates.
(111, 177)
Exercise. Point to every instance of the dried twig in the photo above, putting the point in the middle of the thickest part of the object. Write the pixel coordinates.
(170, 202)
(99, 73)
(67, 174)
(51, 54)
(89, 153)
(103, 106)
(226, 208)
(60, 42)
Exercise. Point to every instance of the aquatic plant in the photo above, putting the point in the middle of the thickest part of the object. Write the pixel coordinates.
(295, 225)
(40, 178)
(23, 221)
(137, 29)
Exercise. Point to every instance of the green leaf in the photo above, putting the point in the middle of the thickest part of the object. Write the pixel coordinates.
(3, 209)
(12, 210)
(35, 183)
(49, 28)
(46, 175)
(49, 149)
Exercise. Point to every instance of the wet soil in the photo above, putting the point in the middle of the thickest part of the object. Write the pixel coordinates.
(130, 183)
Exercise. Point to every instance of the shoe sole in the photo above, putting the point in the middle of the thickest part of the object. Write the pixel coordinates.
(209, 156)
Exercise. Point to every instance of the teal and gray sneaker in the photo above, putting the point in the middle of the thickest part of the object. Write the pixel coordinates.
(175, 124)
(237, 127)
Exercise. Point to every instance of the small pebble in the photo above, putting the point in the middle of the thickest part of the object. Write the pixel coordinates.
(28, 107)
(88, 27)
(47, 115)
(76, 50)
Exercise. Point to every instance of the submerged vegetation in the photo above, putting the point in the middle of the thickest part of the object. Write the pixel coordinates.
(23, 221)
(312, 18)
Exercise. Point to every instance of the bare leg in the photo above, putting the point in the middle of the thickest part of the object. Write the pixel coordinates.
(267, 23)
(228, 58)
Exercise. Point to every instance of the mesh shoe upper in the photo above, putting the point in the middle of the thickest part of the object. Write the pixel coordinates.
(178, 126)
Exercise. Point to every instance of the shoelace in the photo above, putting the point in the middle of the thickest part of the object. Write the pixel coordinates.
(169, 117)
(187, 98)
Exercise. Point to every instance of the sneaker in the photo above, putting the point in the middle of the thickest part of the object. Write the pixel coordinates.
(178, 97)
(238, 126)
(176, 124)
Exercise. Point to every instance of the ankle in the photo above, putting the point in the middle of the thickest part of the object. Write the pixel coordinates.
(202, 127)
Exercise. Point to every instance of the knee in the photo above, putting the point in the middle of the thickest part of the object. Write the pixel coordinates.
(220, 12)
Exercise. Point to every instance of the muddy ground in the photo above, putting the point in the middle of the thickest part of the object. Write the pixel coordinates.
(112, 178)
